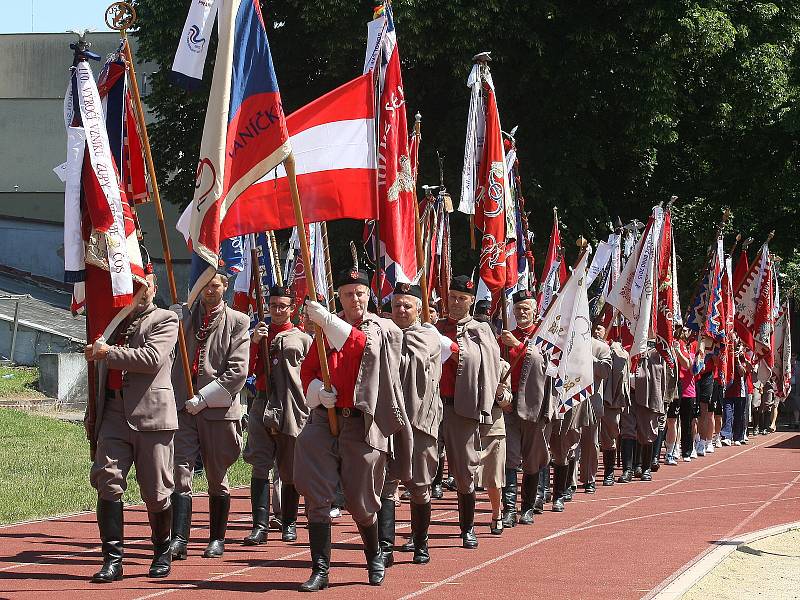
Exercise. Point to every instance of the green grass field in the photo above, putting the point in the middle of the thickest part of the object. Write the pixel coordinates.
(19, 382)
(44, 469)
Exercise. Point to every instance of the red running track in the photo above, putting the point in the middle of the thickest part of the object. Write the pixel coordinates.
(622, 542)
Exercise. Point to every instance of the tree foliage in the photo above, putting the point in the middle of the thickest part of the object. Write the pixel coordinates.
(620, 104)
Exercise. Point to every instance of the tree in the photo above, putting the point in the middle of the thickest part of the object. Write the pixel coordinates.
(620, 104)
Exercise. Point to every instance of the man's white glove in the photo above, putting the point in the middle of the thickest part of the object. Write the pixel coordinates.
(328, 399)
(336, 330)
(194, 405)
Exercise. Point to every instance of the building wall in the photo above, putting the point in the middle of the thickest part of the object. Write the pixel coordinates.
(34, 73)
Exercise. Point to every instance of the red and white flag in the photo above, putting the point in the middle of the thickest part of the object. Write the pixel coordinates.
(664, 298)
(754, 299)
(782, 371)
(554, 274)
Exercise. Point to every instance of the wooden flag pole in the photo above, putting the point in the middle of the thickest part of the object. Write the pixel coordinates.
(121, 16)
(423, 282)
(275, 261)
(291, 174)
(255, 274)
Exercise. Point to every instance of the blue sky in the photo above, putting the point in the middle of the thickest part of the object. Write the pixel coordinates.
(53, 16)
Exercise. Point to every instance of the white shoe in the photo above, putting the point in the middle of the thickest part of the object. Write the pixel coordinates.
(670, 460)
(688, 458)
(727, 442)
(335, 512)
(701, 448)
(737, 443)
(710, 448)
(718, 442)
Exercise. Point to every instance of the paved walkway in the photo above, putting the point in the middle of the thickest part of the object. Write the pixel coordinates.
(627, 541)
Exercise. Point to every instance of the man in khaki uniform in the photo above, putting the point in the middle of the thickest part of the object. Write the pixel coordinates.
(616, 398)
(649, 387)
(135, 424)
(420, 371)
(469, 382)
(589, 444)
(277, 415)
(363, 360)
(210, 423)
(527, 418)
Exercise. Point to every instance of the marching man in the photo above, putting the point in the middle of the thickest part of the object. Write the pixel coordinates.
(277, 415)
(363, 353)
(210, 422)
(136, 423)
(469, 382)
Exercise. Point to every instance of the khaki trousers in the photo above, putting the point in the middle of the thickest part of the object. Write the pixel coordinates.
(264, 449)
(219, 443)
(462, 443)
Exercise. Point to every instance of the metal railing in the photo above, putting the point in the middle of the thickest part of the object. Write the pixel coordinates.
(16, 298)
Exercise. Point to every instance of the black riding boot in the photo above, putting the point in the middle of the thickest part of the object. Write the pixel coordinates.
(111, 524)
(609, 457)
(160, 526)
(218, 507)
(530, 485)
(420, 522)
(510, 499)
(290, 500)
(647, 459)
(568, 490)
(637, 459)
(542, 486)
(655, 462)
(386, 530)
(560, 475)
(628, 447)
(259, 502)
(436, 484)
(373, 554)
(466, 520)
(181, 524)
(319, 540)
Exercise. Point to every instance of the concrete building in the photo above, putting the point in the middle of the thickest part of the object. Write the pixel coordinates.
(34, 72)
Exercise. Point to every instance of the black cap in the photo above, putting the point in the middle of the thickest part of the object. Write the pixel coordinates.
(408, 289)
(282, 291)
(482, 307)
(351, 276)
(521, 295)
(463, 284)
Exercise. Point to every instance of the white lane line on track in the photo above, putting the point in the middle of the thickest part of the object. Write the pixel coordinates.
(714, 489)
(267, 563)
(725, 540)
(566, 531)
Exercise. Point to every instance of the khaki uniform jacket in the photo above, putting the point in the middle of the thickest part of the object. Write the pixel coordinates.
(617, 387)
(286, 408)
(379, 394)
(651, 382)
(227, 356)
(534, 400)
(478, 371)
(147, 397)
(420, 372)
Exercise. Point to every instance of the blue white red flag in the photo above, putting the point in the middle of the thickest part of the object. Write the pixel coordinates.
(244, 135)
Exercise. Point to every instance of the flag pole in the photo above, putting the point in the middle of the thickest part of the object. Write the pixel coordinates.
(275, 261)
(291, 175)
(423, 282)
(328, 272)
(121, 16)
(255, 273)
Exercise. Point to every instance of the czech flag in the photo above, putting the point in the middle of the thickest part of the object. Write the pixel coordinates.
(244, 135)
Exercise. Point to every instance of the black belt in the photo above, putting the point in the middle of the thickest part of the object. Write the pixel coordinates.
(345, 412)
(448, 401)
